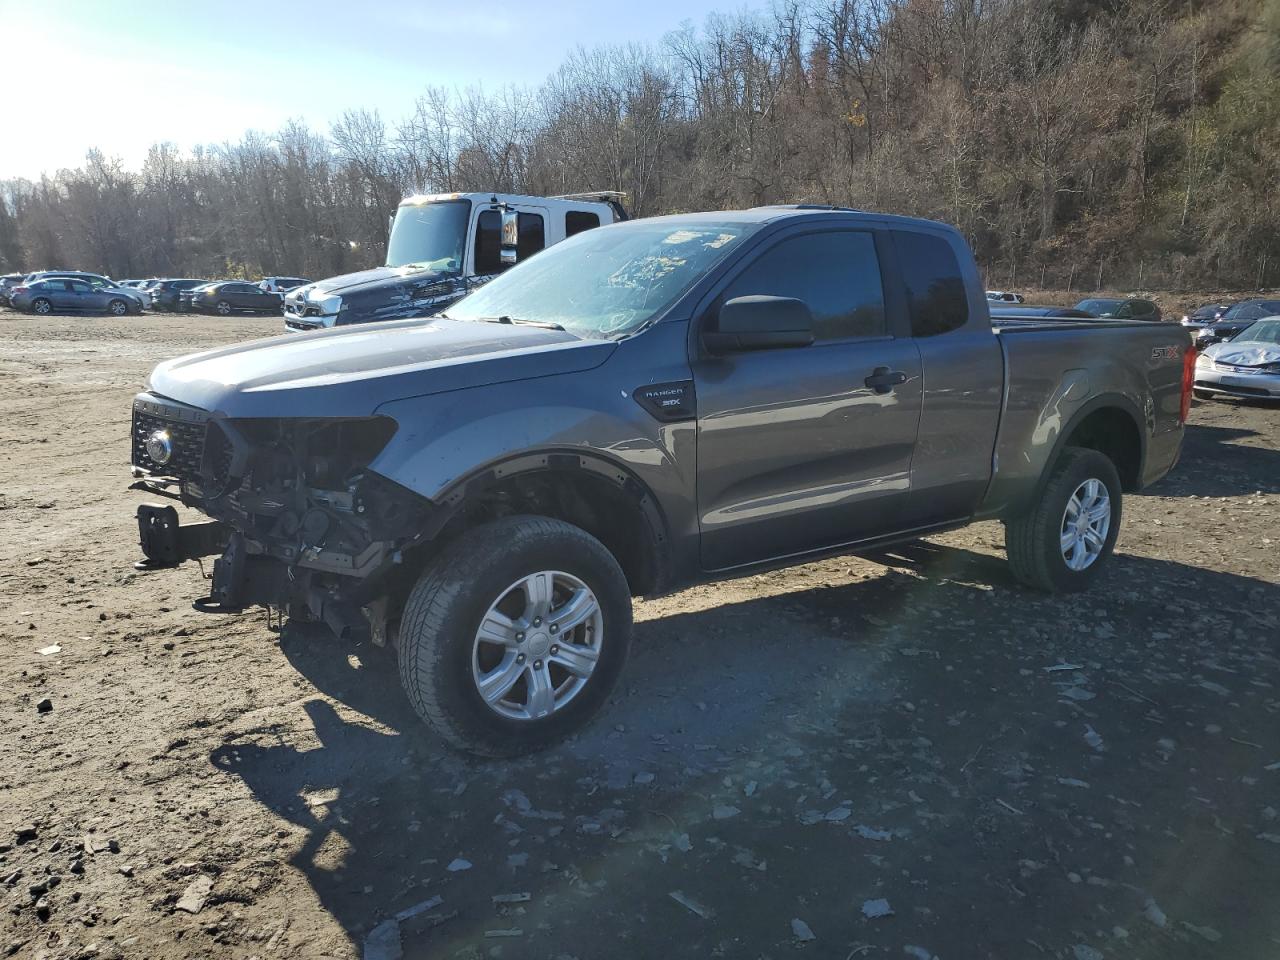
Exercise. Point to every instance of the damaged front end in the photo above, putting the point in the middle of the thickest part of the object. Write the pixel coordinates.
(301, 523)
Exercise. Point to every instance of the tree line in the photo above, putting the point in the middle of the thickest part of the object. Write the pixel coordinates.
(1075, 143)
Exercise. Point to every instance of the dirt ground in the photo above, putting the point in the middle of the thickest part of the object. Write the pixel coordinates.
(901, 756)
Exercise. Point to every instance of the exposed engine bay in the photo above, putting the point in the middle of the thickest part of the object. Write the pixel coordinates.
(301, 523)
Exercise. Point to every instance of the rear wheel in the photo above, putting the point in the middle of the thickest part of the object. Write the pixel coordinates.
(118, 308)
(41, 306)
(1061, 542)
(223, 308)
(515, 635)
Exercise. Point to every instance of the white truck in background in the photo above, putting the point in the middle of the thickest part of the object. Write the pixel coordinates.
(441, 247)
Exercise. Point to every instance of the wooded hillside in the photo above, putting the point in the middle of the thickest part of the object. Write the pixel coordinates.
(1136, 138)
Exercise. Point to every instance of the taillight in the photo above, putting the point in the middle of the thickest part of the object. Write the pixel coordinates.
(19, 290)
(1188, 381)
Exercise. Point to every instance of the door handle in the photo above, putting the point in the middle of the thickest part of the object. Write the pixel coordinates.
(883, 380)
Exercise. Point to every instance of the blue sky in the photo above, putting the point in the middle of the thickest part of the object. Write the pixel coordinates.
(122, 74)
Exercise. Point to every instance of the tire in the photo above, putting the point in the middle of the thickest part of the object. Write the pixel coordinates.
(223, 308)
(41, 306)
(442, 657)
(1037, 540)
(117, 308)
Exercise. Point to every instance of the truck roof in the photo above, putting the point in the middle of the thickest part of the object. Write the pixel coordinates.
(488, 196)
(767, 214)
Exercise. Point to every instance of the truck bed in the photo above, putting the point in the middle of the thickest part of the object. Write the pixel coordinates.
(1053, 367)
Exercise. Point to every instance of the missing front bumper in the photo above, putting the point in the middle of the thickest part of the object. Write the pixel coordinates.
(166, 543)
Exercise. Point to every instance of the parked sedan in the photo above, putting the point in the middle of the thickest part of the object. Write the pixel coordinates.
(104, 285)
(1005, 296)
(1235, 320)
(59, 294)
(233, 296)
(165, 293)
(1114, 308)
(1248, 366)
(7, 282)
(1206, 314)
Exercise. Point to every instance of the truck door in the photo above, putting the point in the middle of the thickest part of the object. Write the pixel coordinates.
(531, 236)
(802, 448)
(963, 369)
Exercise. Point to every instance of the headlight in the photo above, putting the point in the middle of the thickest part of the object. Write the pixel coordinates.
(329, 304)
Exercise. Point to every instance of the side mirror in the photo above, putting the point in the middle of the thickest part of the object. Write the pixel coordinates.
(509, 253)
(760, 323)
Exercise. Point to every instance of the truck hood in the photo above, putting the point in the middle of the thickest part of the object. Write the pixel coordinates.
(351, 371)
(353, 282)
(1252, 353)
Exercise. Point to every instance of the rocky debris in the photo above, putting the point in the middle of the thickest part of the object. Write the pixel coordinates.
(643, 777)
(458, 865)
(801, 931)
(1094, 739)
(873, 909)
(693, 906)
(871, 833)
(724, 811)
(1151, 910)
(194, 896)
(44, 705)
(512, 897)
(1207, 933)
(50, 650)
(1082, 951)
(25, 833)
(497, 934)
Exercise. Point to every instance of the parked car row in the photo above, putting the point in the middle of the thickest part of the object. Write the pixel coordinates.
(58, 291)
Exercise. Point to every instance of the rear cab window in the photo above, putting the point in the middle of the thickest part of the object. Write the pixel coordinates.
(575, 221)
(937, 300)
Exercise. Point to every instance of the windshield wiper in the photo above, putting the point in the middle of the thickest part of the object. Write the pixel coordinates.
(545, 324)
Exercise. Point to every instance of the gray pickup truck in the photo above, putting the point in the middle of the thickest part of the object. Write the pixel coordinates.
(644, 406)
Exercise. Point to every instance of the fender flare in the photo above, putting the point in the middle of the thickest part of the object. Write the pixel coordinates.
(533, 462)
(1100, 402)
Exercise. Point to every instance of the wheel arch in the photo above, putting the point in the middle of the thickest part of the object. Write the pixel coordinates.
(586, 489)
(1111, 425)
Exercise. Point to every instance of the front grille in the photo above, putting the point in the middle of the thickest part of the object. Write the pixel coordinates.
(202, 453)
(186, 440)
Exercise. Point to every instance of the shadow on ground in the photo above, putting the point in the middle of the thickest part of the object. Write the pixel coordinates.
(1011, 772)
(1215, 464)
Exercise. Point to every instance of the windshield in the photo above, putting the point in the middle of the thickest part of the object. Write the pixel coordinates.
(605, 282)
(1264, 331)
(432, 236)
(1098, 306)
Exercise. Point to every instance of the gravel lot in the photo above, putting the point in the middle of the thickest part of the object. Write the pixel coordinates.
(900, 756)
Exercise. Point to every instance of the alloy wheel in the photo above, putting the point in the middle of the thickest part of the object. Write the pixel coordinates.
(537, 645)
(1085, 524)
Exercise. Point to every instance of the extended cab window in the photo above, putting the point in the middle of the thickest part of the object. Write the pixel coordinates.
(575, 221)
(530, 238)
(936, 296)
(836, 273)
(531, 235)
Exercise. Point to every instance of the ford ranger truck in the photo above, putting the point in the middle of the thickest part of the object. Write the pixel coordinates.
(441, 247)
(644, 406)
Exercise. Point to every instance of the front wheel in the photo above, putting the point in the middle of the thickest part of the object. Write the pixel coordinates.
(223, 308)
(1061, 542)
(515, 635)
(41, 306)
(118, 308)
